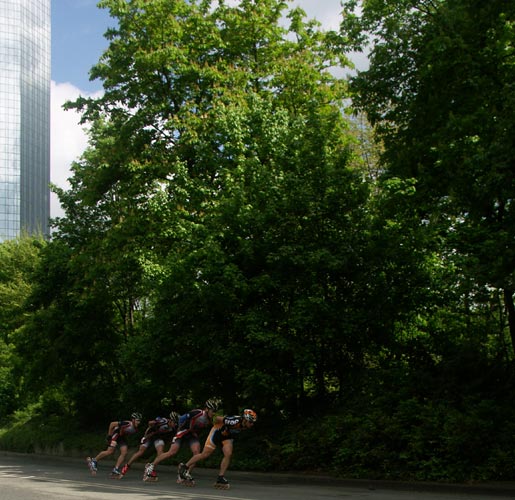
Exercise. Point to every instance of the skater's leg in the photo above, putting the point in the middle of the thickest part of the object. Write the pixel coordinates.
(123, 454)
(209, 447)
(105, 453)
(200, 456)
(136, 455)
(183, 470)
(227, 448)
(195, 450)
(174, 448)
(160, 448)
(150, 474)
(149, 468)
(221, 481)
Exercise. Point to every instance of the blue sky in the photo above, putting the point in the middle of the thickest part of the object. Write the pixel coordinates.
(78, 27)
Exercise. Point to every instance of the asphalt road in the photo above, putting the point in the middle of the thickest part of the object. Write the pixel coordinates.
(29, 477)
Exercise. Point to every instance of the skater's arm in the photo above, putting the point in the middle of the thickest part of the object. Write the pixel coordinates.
(112, 427)
(152, 426)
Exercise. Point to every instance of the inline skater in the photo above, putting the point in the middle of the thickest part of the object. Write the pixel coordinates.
(187, 434)
(116, 437)
(158, 432)
(223, 432)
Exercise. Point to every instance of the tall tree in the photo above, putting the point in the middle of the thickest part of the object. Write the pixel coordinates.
(68, 343)
(219, 167)
(439, 92)
(220, 197)
(19, 259)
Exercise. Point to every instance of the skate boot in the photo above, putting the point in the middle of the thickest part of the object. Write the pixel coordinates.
(92, 465)
(125, 468)
(115, 473)
(222, 483)
(184, 474)
(149, 470)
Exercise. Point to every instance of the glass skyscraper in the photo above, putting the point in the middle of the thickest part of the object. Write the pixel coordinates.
(24, 117)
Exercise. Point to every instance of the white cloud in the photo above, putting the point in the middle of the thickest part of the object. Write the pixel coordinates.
(327, 12)
(68, 138)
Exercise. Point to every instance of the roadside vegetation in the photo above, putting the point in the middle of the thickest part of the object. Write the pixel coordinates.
(333, 252)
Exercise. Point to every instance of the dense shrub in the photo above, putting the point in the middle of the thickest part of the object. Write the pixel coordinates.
(412, 439)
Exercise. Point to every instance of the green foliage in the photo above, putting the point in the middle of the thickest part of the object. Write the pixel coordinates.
(214, 197)
(70, 329)
(410, 439)
(31, 431)
(19, 258)
(225, 235)
(8, 388)
(439, 93)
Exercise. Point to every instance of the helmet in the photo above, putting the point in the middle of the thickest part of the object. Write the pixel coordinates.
(213, 404)
(174, 417)
(250, 415)
(136, 416)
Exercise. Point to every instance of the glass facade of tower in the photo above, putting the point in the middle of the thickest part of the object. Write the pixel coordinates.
(24, 117)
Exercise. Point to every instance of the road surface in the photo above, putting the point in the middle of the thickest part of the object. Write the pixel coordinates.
(30, 477)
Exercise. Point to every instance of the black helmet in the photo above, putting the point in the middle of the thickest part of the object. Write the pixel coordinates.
(174, 417)
(136, 416)
(213, 404)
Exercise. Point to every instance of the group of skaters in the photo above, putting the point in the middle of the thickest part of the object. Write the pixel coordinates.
(179, 431)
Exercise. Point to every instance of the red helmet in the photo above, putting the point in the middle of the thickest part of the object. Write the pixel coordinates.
(250, 415)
